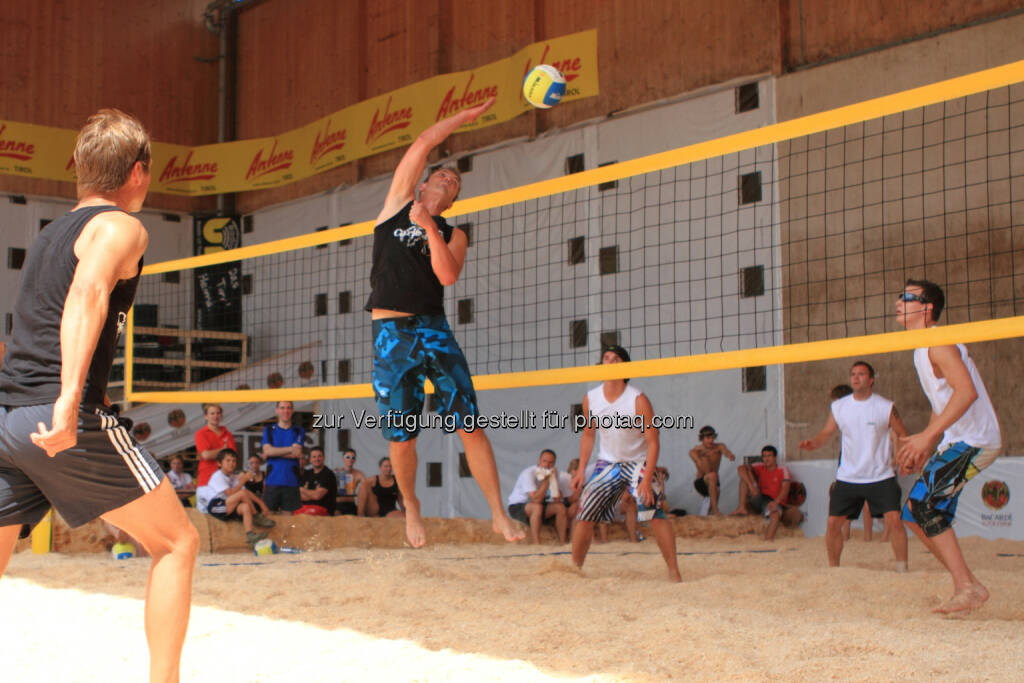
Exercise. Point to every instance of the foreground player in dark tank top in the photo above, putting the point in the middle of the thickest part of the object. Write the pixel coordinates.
(61, 446)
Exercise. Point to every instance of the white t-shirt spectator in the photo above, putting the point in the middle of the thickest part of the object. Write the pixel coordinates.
(525, 485)
(218, 484)
(179, 481)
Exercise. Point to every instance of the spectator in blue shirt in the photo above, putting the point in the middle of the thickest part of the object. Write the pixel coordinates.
(282, 449)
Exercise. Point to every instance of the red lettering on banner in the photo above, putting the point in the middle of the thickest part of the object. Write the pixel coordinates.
(570, 67)
(71, 163)
(470, 98)
(275, 161)
(327, 141)
(382, 124)
(174, 173)
(15, 149)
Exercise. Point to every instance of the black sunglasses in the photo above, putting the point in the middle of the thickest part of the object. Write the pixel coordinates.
(910, 296)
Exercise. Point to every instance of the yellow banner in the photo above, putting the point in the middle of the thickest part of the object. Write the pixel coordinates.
(385, 122)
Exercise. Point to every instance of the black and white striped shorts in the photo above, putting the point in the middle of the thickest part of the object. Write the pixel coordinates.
(104, 471)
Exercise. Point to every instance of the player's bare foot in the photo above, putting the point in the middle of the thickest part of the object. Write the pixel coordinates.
(739, 511)
(510, 529)
(674, 577)
(415, 532)
(965, 601)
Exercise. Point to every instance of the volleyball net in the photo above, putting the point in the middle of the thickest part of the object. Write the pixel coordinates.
(788, 243)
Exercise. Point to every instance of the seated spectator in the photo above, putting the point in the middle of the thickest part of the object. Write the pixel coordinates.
(536, 497)
(767, 485)
(349, 479)
(570, 497)
(255, 484)
(210, 440)
(379, 496)
(707, 456)
(226, 498)
(625, 512)
(181, 480)
(318, 485)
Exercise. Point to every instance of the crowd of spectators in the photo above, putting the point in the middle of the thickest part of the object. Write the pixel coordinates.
(287, 477)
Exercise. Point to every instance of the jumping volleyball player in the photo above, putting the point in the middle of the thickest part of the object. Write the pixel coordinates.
(76, 288)
(415, 255)
(627, 458)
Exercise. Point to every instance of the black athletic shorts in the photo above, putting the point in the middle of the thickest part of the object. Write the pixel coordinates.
(517, 511)
(103, 471)
(701, 486)
(847, 500)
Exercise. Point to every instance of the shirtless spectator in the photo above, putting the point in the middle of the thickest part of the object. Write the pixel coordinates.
(349, 479)
(537, 497)
(211, 439)
(181, 480)
(707, 456)
(318, 485)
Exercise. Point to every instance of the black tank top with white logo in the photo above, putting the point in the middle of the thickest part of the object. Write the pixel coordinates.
(32, 364)
(402, 278)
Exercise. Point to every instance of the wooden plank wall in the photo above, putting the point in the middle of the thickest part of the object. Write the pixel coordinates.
(302, 59)
(61, 61)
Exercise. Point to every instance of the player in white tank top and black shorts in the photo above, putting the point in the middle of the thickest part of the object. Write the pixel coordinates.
(865, 467)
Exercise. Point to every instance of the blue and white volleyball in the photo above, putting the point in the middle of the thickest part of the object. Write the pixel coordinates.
(544, 86)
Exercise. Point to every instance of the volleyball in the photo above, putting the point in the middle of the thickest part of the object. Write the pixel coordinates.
(122, 551)
(544, 86)
(264, 547)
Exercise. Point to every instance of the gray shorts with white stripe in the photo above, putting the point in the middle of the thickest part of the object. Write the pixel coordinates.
(104, 471)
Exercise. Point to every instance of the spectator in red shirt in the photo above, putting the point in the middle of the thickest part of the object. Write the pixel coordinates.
(211, 440)
(767, 486)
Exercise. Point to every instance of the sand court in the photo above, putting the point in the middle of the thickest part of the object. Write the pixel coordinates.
(746, 610)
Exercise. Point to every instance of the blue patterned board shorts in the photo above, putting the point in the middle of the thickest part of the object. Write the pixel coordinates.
(405, 352)
(609, 480)
(933, 498)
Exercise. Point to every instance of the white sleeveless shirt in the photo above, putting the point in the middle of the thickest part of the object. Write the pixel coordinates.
(866, 455)
(978, 426)
(617, 443)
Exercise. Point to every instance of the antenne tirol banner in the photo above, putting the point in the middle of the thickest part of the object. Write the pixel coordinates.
(385, 122)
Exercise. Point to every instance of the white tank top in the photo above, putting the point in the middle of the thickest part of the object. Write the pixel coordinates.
(978, 426)
(866, 455)
(618, 443)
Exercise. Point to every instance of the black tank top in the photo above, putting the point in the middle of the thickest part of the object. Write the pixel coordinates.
(387, 496)
(32, 364)
(401, 278)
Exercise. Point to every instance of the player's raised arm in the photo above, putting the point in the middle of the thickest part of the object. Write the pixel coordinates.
(410, 168)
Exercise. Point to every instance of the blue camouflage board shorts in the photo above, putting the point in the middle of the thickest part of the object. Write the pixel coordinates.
(605, 487)
(405, 352)
(932, 500)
